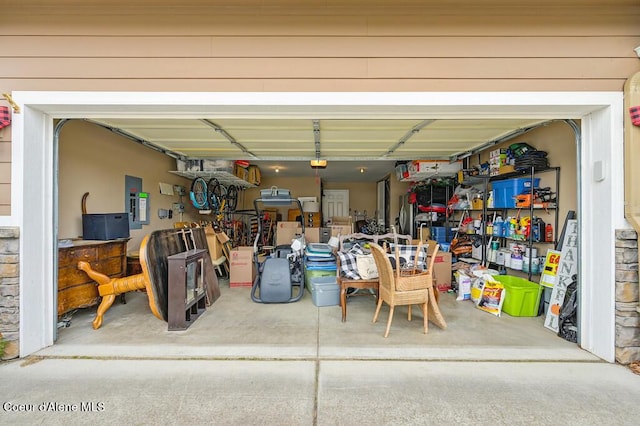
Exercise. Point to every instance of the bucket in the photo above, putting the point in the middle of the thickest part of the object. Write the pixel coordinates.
(525, 263)
(507, 259)
(535, 265)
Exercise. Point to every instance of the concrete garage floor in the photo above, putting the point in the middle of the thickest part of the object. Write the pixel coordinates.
(236, 327)
(243, 363)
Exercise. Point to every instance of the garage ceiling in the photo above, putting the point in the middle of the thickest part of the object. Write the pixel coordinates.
(356, 149)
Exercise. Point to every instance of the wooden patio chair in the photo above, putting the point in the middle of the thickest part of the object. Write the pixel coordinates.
(397, 290)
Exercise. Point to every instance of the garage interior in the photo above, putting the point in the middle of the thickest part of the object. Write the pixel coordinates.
(360, 153)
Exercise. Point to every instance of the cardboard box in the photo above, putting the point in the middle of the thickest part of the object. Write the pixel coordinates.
(314, 235)
(285, 232)
(341, 230)
(311, 235)
(442, 271)
(215, 241)
(243, 270)
(341, 220)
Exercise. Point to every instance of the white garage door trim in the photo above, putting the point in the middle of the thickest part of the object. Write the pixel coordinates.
(601, 204)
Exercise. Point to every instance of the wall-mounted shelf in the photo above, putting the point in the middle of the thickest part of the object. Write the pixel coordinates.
(419, 170)
(224, 177)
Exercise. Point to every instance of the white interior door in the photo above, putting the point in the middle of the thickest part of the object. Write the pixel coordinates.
(335, 202)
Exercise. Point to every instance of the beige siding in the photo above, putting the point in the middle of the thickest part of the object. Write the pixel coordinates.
(5, 167)
(318, 45)
(315, 45)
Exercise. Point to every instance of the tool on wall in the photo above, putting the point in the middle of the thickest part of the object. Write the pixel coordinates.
(84, 202)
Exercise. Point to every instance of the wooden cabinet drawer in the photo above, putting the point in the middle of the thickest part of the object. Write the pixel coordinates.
(73, 255)
(71, 275)
(112, 250)
(81, 296)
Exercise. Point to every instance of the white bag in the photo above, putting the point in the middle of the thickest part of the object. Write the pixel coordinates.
(464, 286)
(367, 268)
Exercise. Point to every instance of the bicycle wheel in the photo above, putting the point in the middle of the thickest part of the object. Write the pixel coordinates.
(220, 192)
(232, 198)
(212, 191)
(198, 193)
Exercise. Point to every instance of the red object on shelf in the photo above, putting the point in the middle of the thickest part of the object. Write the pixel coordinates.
(635, 115)
(438, 208)
(548, 233)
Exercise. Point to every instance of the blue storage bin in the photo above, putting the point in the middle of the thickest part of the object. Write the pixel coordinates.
(505, 191)
(441, 234)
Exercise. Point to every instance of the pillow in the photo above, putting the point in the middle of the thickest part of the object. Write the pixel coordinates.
(408, 253)
(348, 265)
(367, 268)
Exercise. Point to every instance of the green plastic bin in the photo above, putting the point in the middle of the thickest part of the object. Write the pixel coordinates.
(316, 273)
(522, 298)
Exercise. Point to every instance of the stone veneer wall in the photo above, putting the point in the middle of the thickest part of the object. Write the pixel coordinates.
(627, 317)
(10, 291)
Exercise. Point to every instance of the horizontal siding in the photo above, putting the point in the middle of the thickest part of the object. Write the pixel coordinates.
(5, 147)
(295, 68)
(5, 197)
(609, 22)
(5, 172)
(318, 47)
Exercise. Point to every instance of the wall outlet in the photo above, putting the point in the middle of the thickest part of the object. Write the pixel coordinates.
(178, 207)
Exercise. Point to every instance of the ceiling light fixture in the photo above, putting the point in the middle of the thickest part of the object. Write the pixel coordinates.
(318, 164)
(277, 170)
(361, 169)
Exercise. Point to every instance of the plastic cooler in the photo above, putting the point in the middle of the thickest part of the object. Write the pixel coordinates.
(326, 291)
(505, 191)
(522, 298)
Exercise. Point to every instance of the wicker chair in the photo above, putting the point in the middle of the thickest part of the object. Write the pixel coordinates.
(420, 290)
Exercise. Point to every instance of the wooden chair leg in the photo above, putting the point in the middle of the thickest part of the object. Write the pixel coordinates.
(386, 333)
(435, 314)
(343, 302)
(105, 304)
(375, 316)
(409, 313)
(425, 314)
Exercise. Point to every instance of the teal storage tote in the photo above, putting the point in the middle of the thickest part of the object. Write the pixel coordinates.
(522, 298)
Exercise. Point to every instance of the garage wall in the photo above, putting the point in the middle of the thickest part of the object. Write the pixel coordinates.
(79, 172)
(317, 45)
(558, 140)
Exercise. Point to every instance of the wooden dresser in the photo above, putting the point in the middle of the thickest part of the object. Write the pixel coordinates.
(75, 288)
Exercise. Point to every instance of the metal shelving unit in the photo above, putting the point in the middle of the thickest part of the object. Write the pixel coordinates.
(530, 242)
(223, 176)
